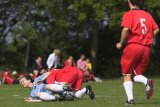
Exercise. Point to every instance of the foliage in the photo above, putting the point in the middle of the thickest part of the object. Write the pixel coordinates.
(70, 25)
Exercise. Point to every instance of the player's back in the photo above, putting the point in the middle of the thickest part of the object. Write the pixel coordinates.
(142, 26)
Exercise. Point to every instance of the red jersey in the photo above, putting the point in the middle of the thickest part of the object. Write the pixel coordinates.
(141, 26)
(8, 79)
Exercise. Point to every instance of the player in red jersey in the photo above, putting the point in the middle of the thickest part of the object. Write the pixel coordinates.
(68, 76)
(139, 28)
(7, 78)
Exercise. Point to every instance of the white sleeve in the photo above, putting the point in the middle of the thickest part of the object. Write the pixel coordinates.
(50, 61)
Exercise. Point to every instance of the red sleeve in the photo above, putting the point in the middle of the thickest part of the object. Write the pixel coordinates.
(127, 20)
(155, 26)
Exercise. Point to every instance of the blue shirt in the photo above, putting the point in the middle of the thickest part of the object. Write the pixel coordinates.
(38, 88)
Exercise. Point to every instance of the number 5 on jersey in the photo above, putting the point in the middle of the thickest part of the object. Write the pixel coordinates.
(144, 28)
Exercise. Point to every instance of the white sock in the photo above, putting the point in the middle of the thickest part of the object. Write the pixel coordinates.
(79, 94)
(55, 87)
(141, 79)
(128, 86)
(47, 97)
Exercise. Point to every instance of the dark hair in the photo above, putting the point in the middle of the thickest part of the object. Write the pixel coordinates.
(136, 2)
(27, 77)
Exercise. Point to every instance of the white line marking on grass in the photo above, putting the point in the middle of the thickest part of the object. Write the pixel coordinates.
(2, 98)
(15, 95)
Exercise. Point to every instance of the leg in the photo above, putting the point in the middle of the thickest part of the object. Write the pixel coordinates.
(87, 90)
(128, 63)
(54, 87)
(79, 82)
(45, 96)
(128, 86)
(139, 70)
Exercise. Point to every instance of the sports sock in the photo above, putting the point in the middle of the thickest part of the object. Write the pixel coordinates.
(141, 79)
(55, 87)
(128, 86)
(79, 94)
(47, 97)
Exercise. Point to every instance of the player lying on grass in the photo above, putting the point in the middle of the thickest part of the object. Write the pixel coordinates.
(48, 92)
(70, 75)
(39, 92)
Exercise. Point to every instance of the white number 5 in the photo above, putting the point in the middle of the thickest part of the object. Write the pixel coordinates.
(144, 28)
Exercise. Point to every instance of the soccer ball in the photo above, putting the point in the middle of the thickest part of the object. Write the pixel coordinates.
(68, 96)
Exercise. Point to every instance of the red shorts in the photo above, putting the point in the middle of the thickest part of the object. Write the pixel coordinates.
(135, 58)
(71, 75)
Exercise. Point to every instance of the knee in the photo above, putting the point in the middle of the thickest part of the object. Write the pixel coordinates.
(47, 87)
(127, 78)
(38, 94)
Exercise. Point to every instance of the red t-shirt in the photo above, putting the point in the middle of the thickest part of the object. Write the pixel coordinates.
(8, 79)
(141, 26)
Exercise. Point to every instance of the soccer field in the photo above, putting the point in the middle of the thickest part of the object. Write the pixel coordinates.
(109, 93)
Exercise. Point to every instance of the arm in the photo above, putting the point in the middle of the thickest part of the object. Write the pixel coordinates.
(155, 32)
(29, 99)
(45, 75)
(49, 61)
(124, 35)
(3, 80)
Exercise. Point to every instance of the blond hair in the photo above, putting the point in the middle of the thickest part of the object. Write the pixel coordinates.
(57, 52)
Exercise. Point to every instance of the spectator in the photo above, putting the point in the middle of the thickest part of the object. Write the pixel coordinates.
(53, 60)
(70, 62)
(37, 66)
(82, 64)
(7, 79)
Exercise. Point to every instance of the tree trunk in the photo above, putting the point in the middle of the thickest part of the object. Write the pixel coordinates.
(94, 46)
(27, 55)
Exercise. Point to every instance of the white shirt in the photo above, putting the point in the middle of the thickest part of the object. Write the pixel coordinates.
(51, 60)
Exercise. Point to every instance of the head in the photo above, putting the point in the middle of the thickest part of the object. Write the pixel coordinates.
(134, 3)
(88, 60)
(70, 60)
(82, 57)
(25, 81)
(56, 52)
(39, 59)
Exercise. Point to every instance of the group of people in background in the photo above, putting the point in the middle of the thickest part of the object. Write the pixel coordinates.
(57, 82)
(53, 62)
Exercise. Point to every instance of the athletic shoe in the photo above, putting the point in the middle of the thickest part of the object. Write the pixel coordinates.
(90, 92)
(67, 87)
(58, 97)
(131, 102)
(149, 88)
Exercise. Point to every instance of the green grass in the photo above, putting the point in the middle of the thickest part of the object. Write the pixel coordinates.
(109, 93)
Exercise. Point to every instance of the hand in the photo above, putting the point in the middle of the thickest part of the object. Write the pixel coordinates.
(28, 99)
(39, 82)
(119, 45)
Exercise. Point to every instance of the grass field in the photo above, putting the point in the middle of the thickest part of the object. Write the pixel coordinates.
(109, 93)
